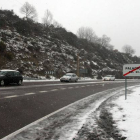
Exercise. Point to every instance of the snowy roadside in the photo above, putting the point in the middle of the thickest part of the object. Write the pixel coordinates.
(126, 113)
(43, 79)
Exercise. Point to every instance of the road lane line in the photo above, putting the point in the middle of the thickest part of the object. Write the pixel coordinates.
(43, 91)
(46, 85)
(29, 93)
(54, 90)
(11, 96)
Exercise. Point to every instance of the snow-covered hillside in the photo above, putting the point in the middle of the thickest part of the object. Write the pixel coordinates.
(34, 50)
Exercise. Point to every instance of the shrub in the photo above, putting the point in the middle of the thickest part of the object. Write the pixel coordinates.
(9, 56)
(2, 47)
(3, 23)
(30, 48)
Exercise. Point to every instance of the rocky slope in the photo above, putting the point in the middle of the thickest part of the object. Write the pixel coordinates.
(35, 49)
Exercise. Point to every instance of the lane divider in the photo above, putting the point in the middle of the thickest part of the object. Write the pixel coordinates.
(43, 91)
(28, 93)
(11, 96)
(54, 90)
(31, 93)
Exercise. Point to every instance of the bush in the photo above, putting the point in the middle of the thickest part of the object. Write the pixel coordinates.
(3, 22)
(30, 48)
(2, 47)
(9, 56)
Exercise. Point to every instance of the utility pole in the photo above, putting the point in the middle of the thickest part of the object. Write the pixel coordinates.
(77, 64)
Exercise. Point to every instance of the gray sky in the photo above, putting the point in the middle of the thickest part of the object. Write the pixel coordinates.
(118, 19)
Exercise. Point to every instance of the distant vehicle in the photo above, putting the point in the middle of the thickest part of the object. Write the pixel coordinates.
(69, 77)
(10, 76)
(109, 78)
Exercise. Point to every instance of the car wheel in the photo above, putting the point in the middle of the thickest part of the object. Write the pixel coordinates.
(76, 80)
(19, 82)
(2, 83)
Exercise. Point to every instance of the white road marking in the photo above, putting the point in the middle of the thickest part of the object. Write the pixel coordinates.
(29, 93)
(47, 85)
(54, 90)
(11, 96)
(43, 91)
(77, 87)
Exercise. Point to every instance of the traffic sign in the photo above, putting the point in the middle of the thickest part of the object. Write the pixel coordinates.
(131, 70)
(83, 71)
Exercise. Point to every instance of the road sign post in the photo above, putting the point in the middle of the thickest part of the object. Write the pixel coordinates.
(125, 88)
(130, 70)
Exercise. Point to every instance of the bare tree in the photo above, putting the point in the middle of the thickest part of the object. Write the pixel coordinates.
(110, 47)
(128, 49)
(48, 18)
(86, 33)
(81, 32)
(56, 24)
(29, 11)
(105, 40)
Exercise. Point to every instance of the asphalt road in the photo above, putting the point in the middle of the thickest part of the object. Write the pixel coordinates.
(22, 105)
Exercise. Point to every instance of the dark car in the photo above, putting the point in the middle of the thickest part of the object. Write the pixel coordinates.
(10, 76)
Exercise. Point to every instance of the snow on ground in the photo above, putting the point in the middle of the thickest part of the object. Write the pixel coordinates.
(126, 113)
(52, 78)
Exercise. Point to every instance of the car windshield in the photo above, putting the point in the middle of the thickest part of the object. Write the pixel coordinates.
(3, 72)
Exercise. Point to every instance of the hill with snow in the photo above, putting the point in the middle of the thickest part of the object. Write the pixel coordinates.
(35, 49)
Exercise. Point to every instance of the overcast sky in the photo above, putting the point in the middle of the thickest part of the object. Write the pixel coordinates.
(118, 19)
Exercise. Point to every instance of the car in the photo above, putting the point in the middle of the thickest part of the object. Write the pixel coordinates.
(10, 76)
(109, 78)
(69, 77)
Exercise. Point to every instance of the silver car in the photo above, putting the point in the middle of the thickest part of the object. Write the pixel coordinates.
(109, 78)
(69, 77)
